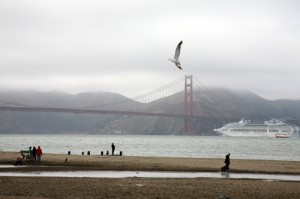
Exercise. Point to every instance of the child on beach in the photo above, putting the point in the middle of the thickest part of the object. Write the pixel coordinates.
(18, 160)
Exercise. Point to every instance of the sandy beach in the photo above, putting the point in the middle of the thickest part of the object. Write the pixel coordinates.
(57, 187)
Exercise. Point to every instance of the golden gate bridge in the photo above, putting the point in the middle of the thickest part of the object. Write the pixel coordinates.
(177, 99)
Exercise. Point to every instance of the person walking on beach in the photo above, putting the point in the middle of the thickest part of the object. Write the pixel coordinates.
(227, 163)
(39, 153)
(113, 148)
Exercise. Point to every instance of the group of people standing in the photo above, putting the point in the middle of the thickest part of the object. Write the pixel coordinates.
(35, 153)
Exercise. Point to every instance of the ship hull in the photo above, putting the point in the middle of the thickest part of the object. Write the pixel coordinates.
(272, 135)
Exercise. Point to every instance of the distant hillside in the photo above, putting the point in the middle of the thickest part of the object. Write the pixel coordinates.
(218, 105)
(30, 122)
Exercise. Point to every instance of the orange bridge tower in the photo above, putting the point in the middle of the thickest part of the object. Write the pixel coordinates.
(188, 104)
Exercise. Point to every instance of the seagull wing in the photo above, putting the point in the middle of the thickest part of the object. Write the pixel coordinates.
(177, 51)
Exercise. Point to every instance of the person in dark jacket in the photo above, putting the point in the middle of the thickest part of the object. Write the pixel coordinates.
(227, 163)
(34, 153)
(113, 148)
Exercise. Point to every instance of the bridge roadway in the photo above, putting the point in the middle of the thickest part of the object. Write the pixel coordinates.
(89, 111)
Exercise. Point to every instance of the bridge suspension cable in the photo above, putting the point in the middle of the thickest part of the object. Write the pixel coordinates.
(206, 90)
(146, 98)
(166, 101)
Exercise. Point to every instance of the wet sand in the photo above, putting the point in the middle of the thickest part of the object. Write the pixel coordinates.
(56, 187)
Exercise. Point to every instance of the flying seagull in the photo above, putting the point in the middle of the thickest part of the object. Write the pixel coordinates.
(175, 60)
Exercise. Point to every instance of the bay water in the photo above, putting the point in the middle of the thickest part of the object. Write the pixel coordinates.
(158, 145)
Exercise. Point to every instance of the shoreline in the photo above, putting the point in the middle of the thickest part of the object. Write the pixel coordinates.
(58, 162)
(133, 187)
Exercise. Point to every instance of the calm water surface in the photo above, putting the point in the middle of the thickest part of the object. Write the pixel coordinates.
(162, 146)
(151, 174)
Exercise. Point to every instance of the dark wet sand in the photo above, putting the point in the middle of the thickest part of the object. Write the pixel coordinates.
(53, 187)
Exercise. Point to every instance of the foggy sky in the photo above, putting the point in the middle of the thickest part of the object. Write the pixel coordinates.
(123, 45)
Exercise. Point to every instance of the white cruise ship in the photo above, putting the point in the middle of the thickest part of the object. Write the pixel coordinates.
(245, 128)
